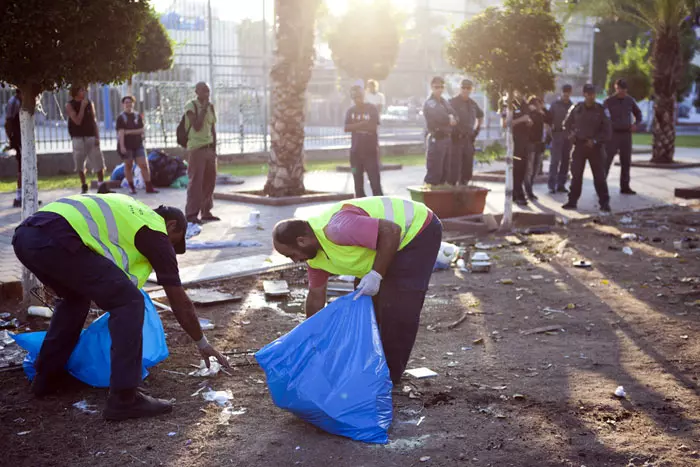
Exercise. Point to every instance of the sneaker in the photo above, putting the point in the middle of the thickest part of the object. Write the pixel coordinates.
(17, 203)
(84, 189)
(569, 207)
(605, 207)
(628, 191)
(562, 189)
(134, 404)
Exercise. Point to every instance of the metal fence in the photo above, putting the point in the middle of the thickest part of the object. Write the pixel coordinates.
(230, 45)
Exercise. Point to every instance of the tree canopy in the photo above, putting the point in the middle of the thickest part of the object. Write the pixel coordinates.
(513, 48)
(611, 33)
(50, 43)
(154, 47)
(365, 41)
(634, 67)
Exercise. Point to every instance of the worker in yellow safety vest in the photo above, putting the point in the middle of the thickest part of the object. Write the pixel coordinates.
(390, 244)
(102, 249)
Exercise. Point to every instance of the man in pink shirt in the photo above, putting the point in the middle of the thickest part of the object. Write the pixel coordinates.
(389, 243)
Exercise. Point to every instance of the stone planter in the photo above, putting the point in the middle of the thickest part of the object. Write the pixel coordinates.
(451, 201)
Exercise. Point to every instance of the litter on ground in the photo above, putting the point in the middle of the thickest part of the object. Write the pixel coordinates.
(421, 373)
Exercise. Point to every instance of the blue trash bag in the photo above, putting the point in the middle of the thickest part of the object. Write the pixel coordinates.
(90, 360)
(118, 172)
(331, 371)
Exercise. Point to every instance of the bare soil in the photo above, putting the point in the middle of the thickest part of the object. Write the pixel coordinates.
(503, 397)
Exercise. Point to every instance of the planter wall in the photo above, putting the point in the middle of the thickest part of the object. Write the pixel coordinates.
(452, 202)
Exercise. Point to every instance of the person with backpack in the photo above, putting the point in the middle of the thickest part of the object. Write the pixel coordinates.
(199, 137)
(130, 129)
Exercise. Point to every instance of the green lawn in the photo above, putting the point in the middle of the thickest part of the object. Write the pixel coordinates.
(682, 141)
(239, 170)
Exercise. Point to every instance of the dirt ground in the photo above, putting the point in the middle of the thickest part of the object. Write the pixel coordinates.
(503, 397)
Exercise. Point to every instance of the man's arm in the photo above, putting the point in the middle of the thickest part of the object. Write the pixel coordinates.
(121, 139)
(315, 300)
(479, 118)
(94, 123)
(77, 118)
(197, 122)
(388, 241)
(637, 115)
(605, 130)
(569, 123)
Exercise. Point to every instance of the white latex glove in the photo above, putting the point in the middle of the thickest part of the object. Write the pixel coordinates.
(369, 285)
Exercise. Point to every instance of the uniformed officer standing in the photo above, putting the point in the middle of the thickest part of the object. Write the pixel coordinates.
(440, 118)
(621, 107)
(588, 127)
(561, 146)
(470, 117)
(522, 124)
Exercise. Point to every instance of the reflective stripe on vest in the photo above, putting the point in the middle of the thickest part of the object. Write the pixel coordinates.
(408, 214)
(112, 230)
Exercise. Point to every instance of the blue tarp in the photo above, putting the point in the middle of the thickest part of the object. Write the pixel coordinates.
(331, 371)
(90, 360)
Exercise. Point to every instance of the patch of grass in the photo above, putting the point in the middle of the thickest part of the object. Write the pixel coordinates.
(682, 141)
(45, 183)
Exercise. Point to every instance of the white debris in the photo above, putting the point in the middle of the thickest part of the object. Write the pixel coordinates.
(625, 220)
(620, 392)
(203, 371)
(83, 406)
(172, 433)
(629, 236)
(628, 251)
(220, 397)
(206, 324)
(420, 373)
(229, 412)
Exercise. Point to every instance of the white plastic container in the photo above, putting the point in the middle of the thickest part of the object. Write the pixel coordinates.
(40, 311)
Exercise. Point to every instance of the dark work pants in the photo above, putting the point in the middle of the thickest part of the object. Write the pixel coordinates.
(520, 161)
(462, 161)
(437, 160)
(559, 160)
(620, 142)
(594, 156)
(361, 161)
(79, 278)
(534, 164)
(400, 299)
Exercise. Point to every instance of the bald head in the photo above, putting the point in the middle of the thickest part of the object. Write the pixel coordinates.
(295, 239)
(202, 91)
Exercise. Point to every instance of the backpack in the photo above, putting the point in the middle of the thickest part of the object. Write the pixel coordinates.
(182, 133)
(165, 169)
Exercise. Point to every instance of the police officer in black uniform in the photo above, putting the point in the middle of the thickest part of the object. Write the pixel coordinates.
(621, 107)
(470, 117)
(588, 126)
(440, 118)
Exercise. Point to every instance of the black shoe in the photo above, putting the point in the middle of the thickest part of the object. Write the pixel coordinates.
(194, 221)
(210, 218)
(552, 191)
(605, 207)
(532, 197)
(521, 202)
(562, 189)
(628, 191)
(134, 404)
(84, 189)
(17, 203)
(569, 207)
(45, 384)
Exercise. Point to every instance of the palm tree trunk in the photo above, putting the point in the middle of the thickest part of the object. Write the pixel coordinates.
(667, 60)
(290, 75)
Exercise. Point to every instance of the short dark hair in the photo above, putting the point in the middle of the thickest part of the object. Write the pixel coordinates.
(288, 231)
(128, 97)
(566, 88)
(75, 88)
(437, 80)
(621, 83)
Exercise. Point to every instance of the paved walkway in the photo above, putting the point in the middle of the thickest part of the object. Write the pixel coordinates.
(655, 187)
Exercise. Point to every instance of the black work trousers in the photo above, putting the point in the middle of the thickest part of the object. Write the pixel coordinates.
(620, 142)
(521, 156)
(362, 161)
(79, 278)
(400, 299)
(594, 156)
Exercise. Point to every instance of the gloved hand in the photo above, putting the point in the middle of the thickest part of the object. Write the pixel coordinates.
(369, 285)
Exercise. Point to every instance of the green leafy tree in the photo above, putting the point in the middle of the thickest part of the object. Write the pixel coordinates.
(611, 33)
(514, 48)
(689, 47)
(666, 21)
(154, 47)
(632, 65)
(365, 41)
(47, 44)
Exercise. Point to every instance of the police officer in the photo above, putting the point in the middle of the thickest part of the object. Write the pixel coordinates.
(588, 127)
(470, 117)
(561, 146)
(621, 107)
(440, 118)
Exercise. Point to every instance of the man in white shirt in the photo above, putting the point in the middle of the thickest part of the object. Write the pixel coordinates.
(374, 97)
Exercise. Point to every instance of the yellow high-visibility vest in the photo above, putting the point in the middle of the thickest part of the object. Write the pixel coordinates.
(358, 261)
(107, 224)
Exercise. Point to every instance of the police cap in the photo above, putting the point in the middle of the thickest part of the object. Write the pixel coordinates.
(588, 89)
(467, 83)
(437, 80)
(621, 83)
(566, 88)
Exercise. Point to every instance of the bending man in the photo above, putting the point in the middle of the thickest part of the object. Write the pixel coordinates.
(390, 243)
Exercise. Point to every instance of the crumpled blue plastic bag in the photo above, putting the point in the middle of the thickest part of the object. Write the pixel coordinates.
(331, 371)
(90, 360)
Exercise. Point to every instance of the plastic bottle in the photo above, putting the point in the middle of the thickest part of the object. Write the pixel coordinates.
(41, 311)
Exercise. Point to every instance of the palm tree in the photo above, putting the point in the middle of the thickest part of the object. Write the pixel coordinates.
(289, 76)
(665, 19)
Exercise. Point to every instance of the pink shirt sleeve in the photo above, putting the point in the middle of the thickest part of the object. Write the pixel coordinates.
(317, 277)
(352, 226)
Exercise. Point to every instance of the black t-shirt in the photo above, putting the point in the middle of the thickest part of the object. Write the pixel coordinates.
(155, 246)
(365, 113)
(86, 129)
(520, 130)
(537, 128)
(131, 121)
